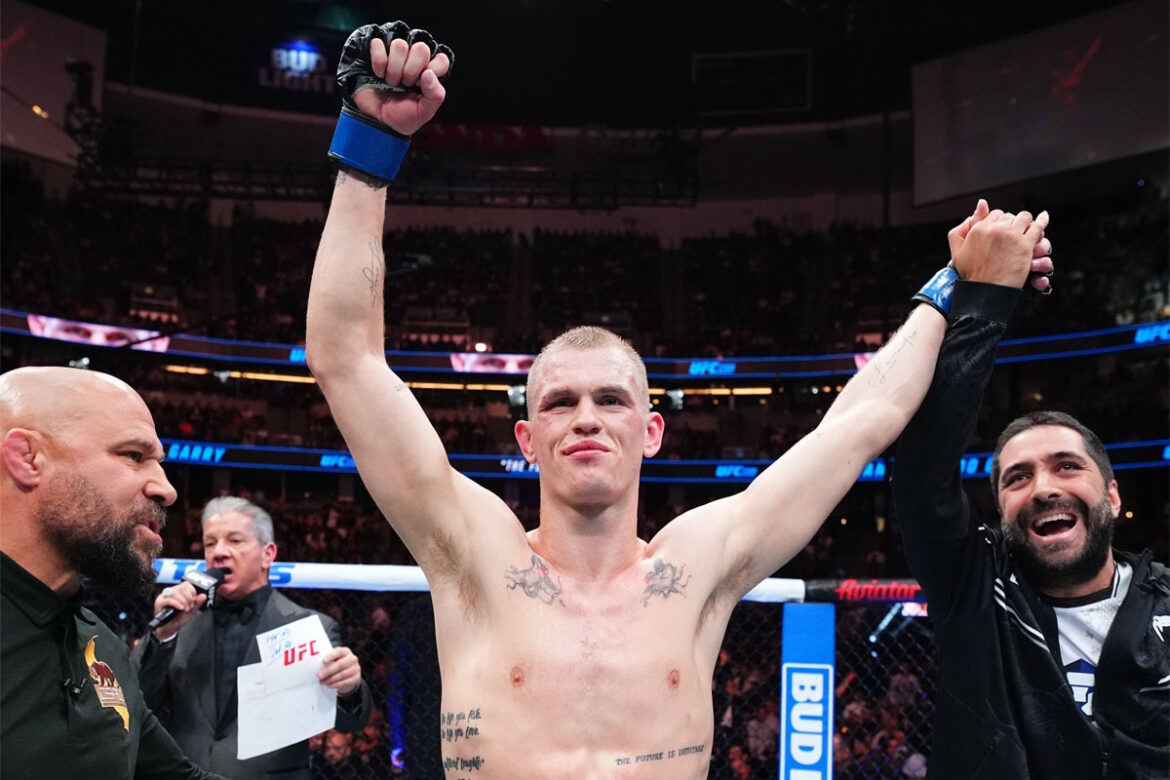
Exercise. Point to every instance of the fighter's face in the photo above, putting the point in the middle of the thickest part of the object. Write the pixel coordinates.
(229, 543)
(104, 509)
(1057, 511)
(591, 426)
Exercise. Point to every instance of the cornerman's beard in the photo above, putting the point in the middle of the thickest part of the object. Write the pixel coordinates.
(97, 541)
(1084, 567)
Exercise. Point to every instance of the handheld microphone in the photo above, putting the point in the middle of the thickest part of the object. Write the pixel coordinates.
(204, 582)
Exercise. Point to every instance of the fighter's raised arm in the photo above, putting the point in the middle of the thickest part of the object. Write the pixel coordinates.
(763, 527)
(389, 79)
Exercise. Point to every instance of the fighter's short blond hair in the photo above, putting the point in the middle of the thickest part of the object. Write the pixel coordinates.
(581, 338)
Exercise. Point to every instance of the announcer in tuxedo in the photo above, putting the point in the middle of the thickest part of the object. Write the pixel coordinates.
(187, 666)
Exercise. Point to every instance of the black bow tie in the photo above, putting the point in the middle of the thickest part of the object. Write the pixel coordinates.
(241, 611)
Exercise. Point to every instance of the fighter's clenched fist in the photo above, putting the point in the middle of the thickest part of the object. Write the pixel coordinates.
(389, 77)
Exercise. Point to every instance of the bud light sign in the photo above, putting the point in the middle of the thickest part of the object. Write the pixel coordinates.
(806, 692)
(297, 66)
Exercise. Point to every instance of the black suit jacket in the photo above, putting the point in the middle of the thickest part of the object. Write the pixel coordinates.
(180, 676)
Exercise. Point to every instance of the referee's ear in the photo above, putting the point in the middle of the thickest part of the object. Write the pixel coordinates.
(268, 556)
(23, 458)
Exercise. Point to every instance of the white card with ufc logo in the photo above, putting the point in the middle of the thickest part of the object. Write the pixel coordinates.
(293, 654)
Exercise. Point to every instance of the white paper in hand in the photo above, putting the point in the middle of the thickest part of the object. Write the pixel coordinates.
(272, 720)
(281, 701)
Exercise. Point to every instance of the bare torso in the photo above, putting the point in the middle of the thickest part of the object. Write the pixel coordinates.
(546, 676)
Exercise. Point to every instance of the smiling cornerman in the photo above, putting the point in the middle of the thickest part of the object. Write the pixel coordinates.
(82, 495)
(1054, 660)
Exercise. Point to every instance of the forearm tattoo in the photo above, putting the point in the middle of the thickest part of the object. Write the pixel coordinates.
(372, 182)
(373, 274)
(664, 580)
(884, 363)
(535, 582)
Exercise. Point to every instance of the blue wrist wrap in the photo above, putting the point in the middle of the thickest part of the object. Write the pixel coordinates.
(938, 291)
(367, 148)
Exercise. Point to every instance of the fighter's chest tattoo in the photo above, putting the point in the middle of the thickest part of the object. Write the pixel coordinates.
(536, 582)
(665, 579)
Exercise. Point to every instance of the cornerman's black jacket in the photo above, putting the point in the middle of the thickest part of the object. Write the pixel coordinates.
(97, 728)
(1004, 708)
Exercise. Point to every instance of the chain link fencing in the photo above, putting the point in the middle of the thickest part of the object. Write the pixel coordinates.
(885, 672)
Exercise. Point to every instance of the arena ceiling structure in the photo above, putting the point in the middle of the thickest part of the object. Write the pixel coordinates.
(617, 63)
(597, 104)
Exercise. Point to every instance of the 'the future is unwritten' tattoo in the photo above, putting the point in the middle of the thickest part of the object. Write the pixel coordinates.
(661, 755)
(884, 364)
(535, 582)
(373, 273)
(664, 580)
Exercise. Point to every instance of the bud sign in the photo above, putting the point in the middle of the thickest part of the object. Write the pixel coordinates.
(806, 692)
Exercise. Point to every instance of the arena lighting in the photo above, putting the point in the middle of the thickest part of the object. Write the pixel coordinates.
(300, 380)
(884, 622)
(679, 392)
(1140, 455)
(42, 113)
(223, 376)
(775, 368)
(435, 385)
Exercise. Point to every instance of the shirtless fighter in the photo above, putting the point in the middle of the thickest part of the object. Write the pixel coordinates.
(578, 650)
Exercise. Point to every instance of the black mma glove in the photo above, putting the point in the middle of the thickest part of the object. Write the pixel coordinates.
(360, 141)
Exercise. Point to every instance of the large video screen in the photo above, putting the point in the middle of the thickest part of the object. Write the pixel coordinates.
(1069, 96)
(39, 49)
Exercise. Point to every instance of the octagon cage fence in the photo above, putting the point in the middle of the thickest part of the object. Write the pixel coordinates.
(880, 661)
